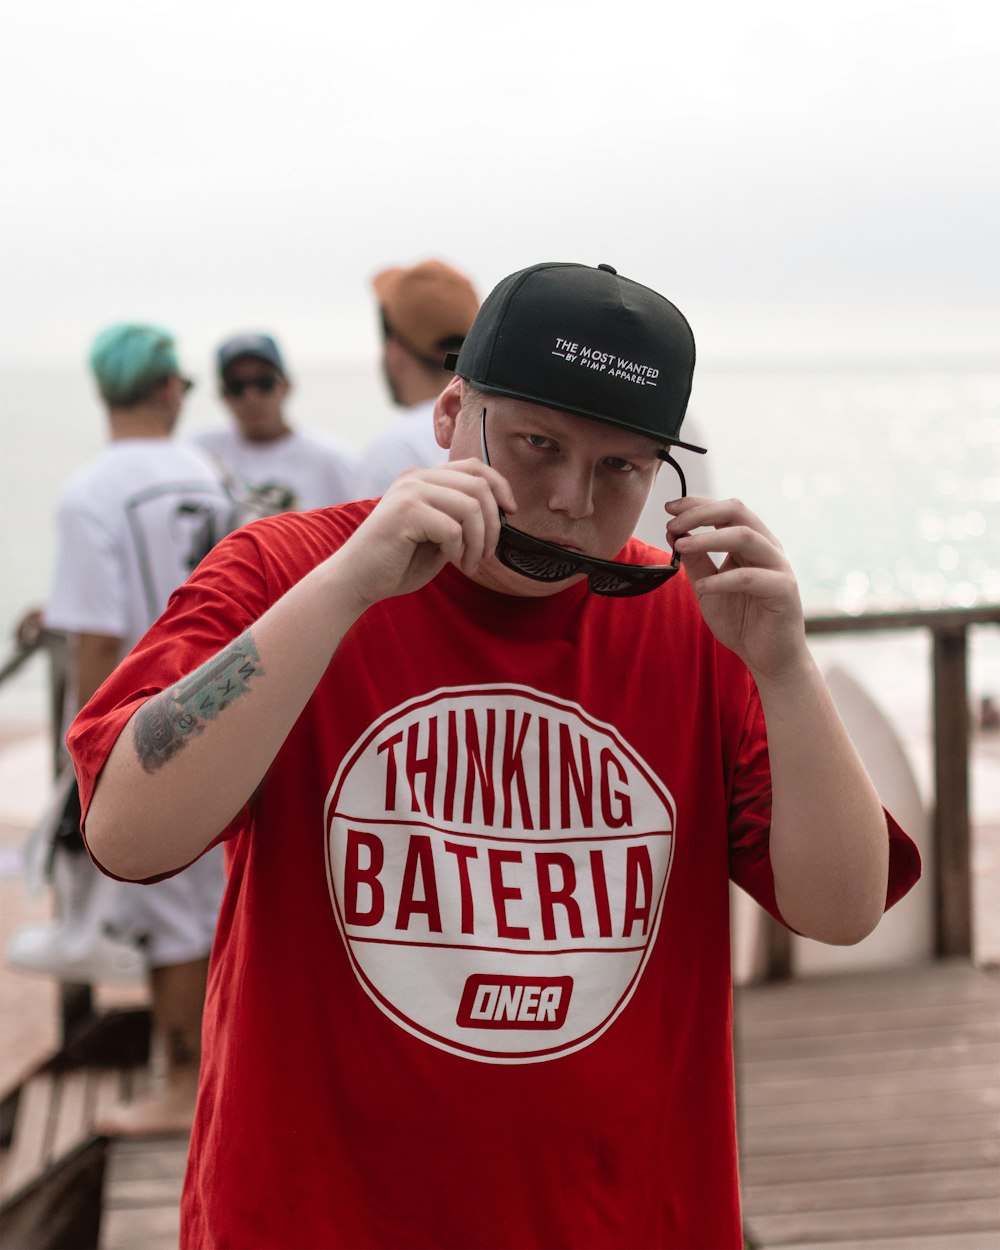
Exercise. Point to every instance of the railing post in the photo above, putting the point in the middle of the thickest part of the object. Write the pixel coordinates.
(953, 898)
(773, 961)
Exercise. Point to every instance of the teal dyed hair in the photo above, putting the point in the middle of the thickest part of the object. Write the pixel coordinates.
(130, 359)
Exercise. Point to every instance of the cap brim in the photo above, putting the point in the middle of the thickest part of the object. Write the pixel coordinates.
(452, 359)
(383, 282)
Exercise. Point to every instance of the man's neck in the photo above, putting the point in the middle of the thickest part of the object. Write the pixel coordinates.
(139, 421)
(263, 438)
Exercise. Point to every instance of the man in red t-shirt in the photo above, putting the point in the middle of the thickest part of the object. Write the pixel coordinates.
(484, 765)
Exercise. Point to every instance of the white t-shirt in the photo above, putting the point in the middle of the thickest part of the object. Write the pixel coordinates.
(301, 470)
(407, 443)
(132, 524)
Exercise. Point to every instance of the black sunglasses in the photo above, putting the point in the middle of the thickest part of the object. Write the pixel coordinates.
(545, 562)
(265, 384)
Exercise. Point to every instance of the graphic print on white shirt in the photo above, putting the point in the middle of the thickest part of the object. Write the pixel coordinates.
(497, 862)
(173, 526)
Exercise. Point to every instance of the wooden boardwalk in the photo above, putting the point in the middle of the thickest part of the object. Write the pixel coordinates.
(142, 1189)
(869, 1113)
(870, 1110)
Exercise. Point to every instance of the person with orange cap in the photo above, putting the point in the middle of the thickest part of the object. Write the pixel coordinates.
(426, 312)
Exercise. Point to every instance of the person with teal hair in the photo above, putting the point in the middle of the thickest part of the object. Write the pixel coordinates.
(132, 524)
(132, 361)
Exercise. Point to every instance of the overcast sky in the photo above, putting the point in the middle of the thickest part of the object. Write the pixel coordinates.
(801, 178)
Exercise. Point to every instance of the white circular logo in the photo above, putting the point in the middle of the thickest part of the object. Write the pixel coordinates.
(497, 862)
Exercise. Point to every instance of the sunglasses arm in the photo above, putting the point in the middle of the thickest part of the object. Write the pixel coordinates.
(665, 455)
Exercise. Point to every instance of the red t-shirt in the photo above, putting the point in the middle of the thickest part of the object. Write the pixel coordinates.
(471, 982)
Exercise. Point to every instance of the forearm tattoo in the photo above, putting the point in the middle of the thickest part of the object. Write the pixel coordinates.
(167, 721)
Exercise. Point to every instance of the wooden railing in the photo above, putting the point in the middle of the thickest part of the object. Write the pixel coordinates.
(951, 824)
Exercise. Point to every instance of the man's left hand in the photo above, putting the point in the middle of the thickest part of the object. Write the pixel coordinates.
(751, 602)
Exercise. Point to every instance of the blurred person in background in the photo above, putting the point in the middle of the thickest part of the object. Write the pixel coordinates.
(275, 467)
(132, 524)
(425, 313)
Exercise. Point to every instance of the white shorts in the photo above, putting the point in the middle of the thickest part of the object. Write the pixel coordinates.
(174, 919)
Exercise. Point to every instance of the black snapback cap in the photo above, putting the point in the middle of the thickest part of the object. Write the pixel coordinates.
(584, 340)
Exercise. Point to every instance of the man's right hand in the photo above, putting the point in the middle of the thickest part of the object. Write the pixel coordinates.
(29, 629)
(426, 519)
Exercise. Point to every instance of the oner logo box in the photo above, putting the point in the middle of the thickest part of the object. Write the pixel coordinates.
(497, 862)
(514, 1002)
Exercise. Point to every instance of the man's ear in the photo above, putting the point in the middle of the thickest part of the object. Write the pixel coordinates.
(446, 410)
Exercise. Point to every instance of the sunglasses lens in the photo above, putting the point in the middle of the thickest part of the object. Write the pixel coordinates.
(622, 587)
(603, 583)
(265, 385)
(534, 564)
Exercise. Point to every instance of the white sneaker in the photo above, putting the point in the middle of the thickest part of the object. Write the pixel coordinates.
(49, 950)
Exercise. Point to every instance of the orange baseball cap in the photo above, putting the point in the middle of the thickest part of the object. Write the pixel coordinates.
(428, 308)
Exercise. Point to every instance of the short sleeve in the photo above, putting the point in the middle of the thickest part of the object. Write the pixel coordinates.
(750, 823)
(204, 615)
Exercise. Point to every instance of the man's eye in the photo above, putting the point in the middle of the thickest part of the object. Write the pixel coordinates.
(538, 440)
(621, 465)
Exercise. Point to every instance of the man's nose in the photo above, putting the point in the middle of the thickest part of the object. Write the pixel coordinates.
(572, 492)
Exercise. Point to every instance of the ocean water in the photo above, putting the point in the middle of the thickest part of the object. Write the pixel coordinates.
(883, 486)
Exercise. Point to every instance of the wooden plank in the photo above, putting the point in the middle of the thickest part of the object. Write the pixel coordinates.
(943, 1219)
(146, 1172)
(863, 1110)
(958, 1033)
(775, 1139)
(843, 1020)
(154, 1228)
(766, 1068)
(783, 1088)
(29, 1149)
(74, 1116)
(143, 1191)
(957, 978)
(870, 1111)
(956, 1241)
(865, 1160)
(949, 981)
(794, 1000)
(953, 971)
(168, 1161)
(856, 1192)
(955, 981)
(171, 1143)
